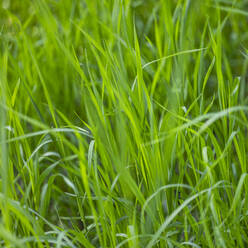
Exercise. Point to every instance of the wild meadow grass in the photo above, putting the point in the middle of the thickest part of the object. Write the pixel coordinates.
(123, 123)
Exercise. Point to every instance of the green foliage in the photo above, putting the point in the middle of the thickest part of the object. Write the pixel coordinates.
(123, 123)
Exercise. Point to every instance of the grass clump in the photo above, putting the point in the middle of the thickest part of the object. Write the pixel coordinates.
(123, 123)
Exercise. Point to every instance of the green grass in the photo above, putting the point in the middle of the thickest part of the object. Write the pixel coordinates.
(123, 123)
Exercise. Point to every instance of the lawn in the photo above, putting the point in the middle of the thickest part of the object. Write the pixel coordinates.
(123, 123)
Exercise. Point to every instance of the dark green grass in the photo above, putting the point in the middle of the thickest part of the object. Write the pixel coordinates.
(123, 123)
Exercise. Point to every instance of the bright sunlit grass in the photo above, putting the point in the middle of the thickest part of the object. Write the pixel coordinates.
(123, 123)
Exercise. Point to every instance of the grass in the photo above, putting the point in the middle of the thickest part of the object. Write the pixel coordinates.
(123, 123)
